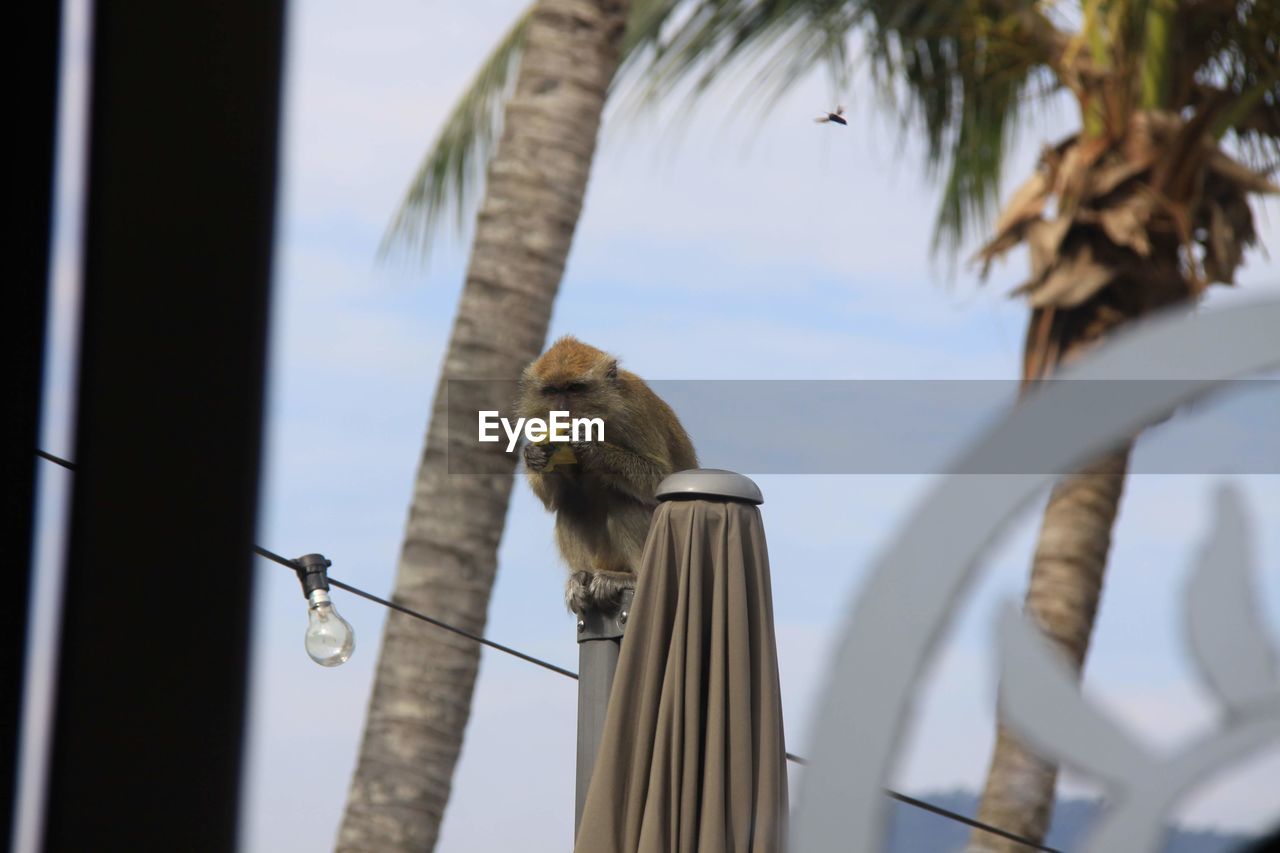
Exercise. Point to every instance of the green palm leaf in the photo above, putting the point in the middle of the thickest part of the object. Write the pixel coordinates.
(959, 71)
(451, 173)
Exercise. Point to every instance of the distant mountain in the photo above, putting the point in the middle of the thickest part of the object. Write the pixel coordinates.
(912, 830)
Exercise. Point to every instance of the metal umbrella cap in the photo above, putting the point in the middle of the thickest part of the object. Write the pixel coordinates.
(710, 483)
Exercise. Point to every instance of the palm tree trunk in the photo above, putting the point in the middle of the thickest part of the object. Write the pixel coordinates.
(1066, 583)
(421, 697)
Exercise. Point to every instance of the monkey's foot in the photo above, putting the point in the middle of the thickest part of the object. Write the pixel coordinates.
(607, 589)
(577, 592)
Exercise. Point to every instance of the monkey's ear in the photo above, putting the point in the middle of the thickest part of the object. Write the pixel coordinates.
(612, 372)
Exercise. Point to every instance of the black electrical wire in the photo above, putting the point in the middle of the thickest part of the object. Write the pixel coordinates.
(400, 608)
(977, 824)
(56, 460)
(956, 816)
(912, 801)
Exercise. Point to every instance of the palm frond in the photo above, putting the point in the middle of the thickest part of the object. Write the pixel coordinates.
(1235, 58)
(453, 168)
(451, 174)
(958, 70)
(961, 67)
(645, 24)
(787, 38)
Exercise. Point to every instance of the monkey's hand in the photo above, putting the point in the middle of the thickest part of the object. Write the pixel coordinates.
(536, 456)
(584, 450)
(625, 470)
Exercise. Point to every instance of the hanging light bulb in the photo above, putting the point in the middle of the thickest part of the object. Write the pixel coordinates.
(329, 640)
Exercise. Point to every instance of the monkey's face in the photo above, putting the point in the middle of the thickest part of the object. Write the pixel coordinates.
(580, 396)
(565, 395)
(571, 377)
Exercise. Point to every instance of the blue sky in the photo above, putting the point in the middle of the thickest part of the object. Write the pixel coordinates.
(715, 244)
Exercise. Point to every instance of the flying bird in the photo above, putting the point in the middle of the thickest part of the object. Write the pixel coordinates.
(837, 117)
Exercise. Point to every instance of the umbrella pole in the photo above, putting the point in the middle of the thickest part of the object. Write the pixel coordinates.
(599, 641)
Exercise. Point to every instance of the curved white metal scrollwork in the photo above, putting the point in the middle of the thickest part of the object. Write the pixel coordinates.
(895, 620)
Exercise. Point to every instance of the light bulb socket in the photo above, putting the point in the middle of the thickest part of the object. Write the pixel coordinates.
(313, 573)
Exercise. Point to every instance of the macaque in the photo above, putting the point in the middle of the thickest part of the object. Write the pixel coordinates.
(604, 498)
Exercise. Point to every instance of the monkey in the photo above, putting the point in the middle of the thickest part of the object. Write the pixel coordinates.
(604, 500)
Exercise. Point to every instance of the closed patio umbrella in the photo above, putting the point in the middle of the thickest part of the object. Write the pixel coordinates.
(692, 758)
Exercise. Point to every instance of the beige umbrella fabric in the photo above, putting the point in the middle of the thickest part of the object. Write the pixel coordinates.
(692, 758)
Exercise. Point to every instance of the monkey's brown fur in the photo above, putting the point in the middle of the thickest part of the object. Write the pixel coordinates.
(603, 503)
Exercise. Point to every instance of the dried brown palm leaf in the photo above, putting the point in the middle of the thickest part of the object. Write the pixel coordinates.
(1105, 179)
(1074, 278)
(1072, 177)
(1226, 227)
(1239, 174)
(1044, 239)
(1183, 155)
(1126, 221)
(1145, 221)
(1025, 207)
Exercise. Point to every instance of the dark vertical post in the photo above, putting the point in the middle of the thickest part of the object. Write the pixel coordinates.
(34, 35)
(599, 641)
(155, 614)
